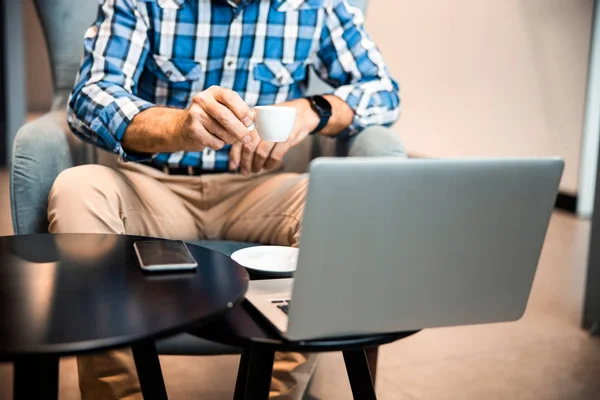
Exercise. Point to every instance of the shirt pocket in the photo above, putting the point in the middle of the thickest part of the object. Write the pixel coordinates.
(277, 74)
(176, 70)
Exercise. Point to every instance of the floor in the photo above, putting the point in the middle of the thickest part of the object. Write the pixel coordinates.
(544, 356)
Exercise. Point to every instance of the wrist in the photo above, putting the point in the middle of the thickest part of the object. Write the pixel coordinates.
(179, 123)
(315, 118)
(323, 109)
(308, 118)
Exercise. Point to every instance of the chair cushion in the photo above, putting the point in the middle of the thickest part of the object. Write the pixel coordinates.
(186, 344)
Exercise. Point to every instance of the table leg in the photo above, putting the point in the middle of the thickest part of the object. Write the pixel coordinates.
(372, 356)
(149, 372)
(36, 377)
(258, 380)
(242, 376)
(359, 375)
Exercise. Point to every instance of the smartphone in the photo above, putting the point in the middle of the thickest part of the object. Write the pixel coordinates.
(164, 256)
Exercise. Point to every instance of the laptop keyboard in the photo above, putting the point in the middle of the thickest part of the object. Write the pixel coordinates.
(283, 305)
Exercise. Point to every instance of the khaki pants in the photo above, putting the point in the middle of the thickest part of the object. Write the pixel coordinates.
(138, 200)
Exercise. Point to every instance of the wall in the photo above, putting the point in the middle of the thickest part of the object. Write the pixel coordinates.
(489, 78)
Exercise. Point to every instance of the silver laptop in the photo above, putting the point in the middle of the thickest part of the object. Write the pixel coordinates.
(392, 245)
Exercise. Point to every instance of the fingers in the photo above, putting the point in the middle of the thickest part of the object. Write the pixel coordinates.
(248, 150)
(276, 155)
(261, 154)
(228, 109)
(235, 156)
(196, 136)
(217, 130)
(234, 102)
(210, 141)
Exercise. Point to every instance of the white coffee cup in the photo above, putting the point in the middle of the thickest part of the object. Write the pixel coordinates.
(274, 123)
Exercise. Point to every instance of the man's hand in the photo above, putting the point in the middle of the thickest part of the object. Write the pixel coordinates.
(215, 117)
(257, 154)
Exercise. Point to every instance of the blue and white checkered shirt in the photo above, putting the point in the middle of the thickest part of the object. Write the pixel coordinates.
(142, 53)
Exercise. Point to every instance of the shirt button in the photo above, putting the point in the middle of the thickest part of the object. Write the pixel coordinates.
(230, 64)
(168, 73)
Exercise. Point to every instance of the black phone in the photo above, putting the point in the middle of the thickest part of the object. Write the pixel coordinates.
(164, 256)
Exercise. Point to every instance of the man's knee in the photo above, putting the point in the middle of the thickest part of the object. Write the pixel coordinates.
(81, 193)
(83, 181)
(296, 211)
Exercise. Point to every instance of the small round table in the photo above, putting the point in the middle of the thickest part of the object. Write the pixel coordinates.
(74, 293)
(245, 327)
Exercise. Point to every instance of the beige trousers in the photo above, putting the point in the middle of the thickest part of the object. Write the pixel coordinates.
(135, 199)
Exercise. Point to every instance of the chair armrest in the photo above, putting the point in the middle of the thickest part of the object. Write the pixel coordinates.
(376, 141)
(42, 149)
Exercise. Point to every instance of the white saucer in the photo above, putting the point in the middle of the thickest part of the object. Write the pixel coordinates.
(268, 260)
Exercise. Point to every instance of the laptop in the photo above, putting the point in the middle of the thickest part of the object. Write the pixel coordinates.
(391, 245)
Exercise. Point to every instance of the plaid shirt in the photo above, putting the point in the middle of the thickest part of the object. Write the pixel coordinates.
(143, 53)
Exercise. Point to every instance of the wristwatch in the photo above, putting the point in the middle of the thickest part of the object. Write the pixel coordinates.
(322, 107)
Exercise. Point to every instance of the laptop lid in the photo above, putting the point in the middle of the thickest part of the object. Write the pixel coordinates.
(391, 244)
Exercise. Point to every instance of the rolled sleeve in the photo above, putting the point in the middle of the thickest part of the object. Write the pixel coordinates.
(102, 103)
(112, 122)
(349, 60)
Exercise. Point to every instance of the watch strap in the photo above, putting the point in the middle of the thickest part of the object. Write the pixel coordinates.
(324, 115)
(322, 124)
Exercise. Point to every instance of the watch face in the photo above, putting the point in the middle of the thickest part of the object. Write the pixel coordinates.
(323, 104)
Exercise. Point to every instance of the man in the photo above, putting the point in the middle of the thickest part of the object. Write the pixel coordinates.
(169, 86)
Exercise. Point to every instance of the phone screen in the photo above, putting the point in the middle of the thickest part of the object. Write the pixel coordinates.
(164, 255)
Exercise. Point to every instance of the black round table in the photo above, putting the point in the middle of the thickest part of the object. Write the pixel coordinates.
(246, 328)
(73, 293)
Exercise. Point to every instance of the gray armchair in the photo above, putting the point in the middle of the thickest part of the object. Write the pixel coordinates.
(45, 147)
